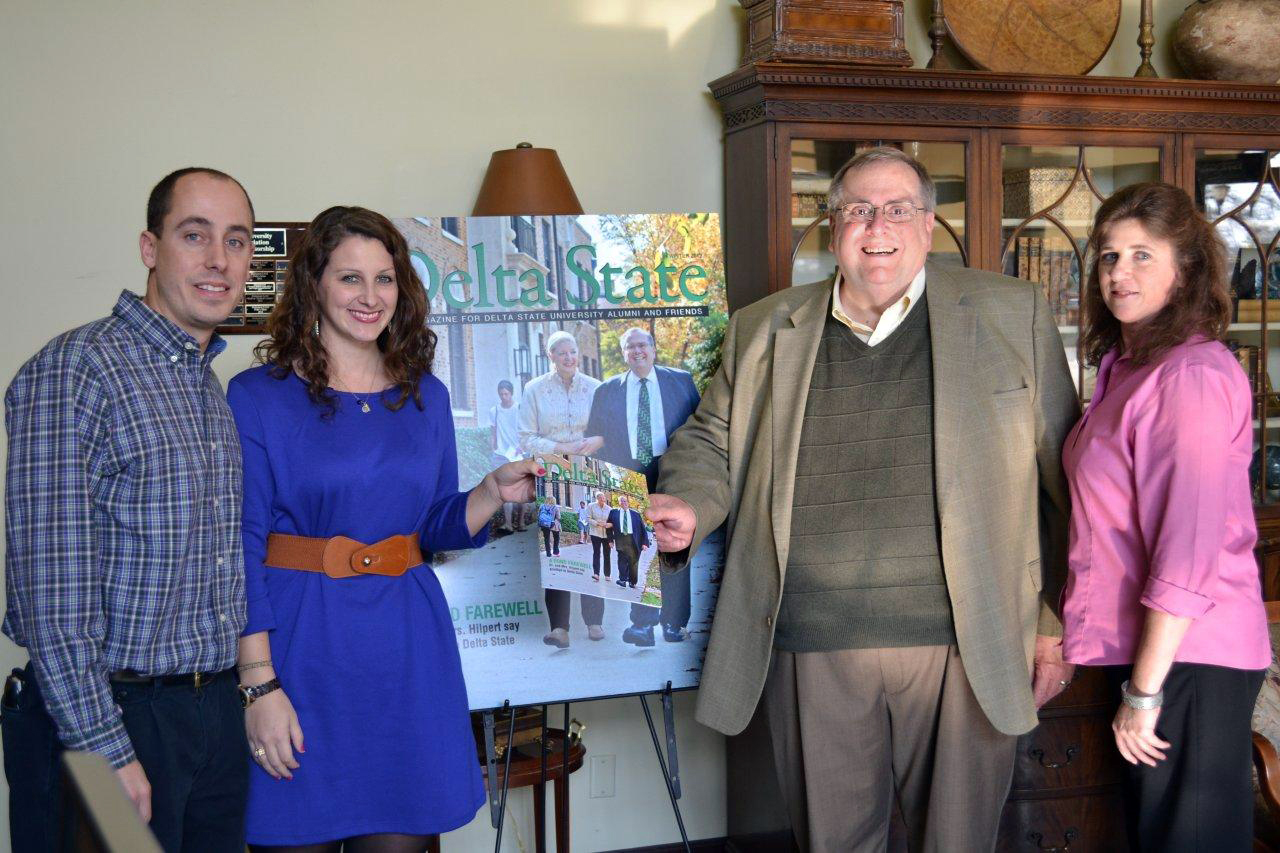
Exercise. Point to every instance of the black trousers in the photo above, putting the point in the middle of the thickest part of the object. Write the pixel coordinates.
(549, 535)
(628, 559)
(599, 544)
(676, 606)
(190, 742)
(558, 608)
(1200, 797)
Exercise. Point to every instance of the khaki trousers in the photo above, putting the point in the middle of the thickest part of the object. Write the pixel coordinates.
(854, 728)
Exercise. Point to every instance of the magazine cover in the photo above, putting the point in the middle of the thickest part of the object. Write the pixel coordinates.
(597, 542)
(571, 337)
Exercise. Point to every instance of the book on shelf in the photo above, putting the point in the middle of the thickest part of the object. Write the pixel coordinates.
(1048, 261)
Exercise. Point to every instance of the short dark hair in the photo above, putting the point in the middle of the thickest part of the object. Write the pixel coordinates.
(1198, 304)
(506, 383)
(161, 199)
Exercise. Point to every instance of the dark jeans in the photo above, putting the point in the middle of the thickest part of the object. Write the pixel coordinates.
(190, 742)
(558, 608)
(1201, 796)
(547, 536)
(599, 544)
(674, 612)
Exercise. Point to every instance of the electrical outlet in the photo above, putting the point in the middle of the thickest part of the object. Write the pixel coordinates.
(602, 772)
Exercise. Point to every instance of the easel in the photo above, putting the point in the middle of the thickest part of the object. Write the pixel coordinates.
(669, 764)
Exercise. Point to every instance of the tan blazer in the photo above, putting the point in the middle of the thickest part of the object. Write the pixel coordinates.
(1003, 404)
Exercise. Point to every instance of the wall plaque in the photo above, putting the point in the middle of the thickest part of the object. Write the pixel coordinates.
(273, 243)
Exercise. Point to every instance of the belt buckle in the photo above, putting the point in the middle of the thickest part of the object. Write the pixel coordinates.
(199, 680)
(336, 559)
(390, 558)
(345, 557)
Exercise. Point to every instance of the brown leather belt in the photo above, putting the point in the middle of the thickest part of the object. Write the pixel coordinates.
(340, 557)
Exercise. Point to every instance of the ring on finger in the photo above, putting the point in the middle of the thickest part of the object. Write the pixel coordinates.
(259, 752)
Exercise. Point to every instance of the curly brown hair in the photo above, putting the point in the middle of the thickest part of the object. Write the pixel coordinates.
(1198, 303)
(408, 347)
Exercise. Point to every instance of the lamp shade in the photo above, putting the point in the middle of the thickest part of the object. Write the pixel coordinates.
(525, 179)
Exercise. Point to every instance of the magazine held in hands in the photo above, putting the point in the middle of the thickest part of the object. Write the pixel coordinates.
(597, 541)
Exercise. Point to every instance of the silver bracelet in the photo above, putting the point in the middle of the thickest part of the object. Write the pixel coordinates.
(245, 667)
(1141, 702)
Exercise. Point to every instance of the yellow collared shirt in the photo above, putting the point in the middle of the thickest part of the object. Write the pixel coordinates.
(889, 320)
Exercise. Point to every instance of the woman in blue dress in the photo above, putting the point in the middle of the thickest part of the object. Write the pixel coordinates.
(357, 713)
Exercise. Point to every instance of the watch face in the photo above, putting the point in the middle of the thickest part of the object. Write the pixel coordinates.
(246, 698)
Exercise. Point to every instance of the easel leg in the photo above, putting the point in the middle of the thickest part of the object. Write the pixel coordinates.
(673, 757)
(540, 817)
(491, 766)
(540, 792)
(506, 775)
(672, 791)
(562, 790)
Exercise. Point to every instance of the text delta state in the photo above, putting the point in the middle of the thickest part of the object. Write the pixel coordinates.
(491, 288)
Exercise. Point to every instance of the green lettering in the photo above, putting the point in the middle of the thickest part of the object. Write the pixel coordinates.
(433, 274)
(500, 276)
(642, 290)
(608, 271)
(665, 270)
(482, 286)
(446, 287)
(536, 294)
(692, 273)
(583, 274)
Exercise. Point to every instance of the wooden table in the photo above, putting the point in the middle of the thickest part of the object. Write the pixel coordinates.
(526, 769)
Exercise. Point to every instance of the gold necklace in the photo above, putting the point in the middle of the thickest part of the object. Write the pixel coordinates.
(360, 401)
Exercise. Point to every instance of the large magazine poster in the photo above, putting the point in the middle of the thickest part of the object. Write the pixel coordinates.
(587, 340)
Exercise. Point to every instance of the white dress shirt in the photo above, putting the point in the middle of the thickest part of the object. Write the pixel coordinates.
(889, 320)
(657, 426)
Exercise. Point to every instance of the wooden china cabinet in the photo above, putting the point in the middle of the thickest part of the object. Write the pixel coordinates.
(1022, 164)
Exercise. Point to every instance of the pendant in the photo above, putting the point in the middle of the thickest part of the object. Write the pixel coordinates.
(364, 407)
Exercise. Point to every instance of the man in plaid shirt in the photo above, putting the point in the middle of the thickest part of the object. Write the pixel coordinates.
(124, 570)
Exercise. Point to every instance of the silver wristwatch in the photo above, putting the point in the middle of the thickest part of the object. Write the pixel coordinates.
(1141, 702)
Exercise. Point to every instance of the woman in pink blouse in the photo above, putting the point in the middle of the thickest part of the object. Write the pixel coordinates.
(1163, 588)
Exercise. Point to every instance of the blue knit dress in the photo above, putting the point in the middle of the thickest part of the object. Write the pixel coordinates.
(370, 663)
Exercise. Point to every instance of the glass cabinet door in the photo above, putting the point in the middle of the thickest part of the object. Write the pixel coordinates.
(815, 161)
(1050, 196)
(1238, 192)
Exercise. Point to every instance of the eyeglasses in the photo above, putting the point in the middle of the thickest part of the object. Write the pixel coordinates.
(894, 211)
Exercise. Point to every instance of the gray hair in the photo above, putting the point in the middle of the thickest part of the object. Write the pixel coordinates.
(559, 338)
(636, 330)
(882, 154)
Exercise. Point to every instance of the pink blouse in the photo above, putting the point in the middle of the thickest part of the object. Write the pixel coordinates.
(1162, 516)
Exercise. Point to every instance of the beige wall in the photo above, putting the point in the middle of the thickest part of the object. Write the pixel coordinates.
(394, 105)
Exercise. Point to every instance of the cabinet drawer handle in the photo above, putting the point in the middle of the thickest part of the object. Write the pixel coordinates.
(1038, 754)
(1067, 837)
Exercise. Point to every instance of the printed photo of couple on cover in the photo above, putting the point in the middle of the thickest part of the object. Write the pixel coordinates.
(608, 329)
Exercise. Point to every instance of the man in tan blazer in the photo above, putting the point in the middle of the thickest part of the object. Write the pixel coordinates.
(884, 447)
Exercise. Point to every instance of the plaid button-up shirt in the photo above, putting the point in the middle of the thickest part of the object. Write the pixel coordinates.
(122, 516)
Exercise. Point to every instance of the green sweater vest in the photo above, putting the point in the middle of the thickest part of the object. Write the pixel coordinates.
(864, 569)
